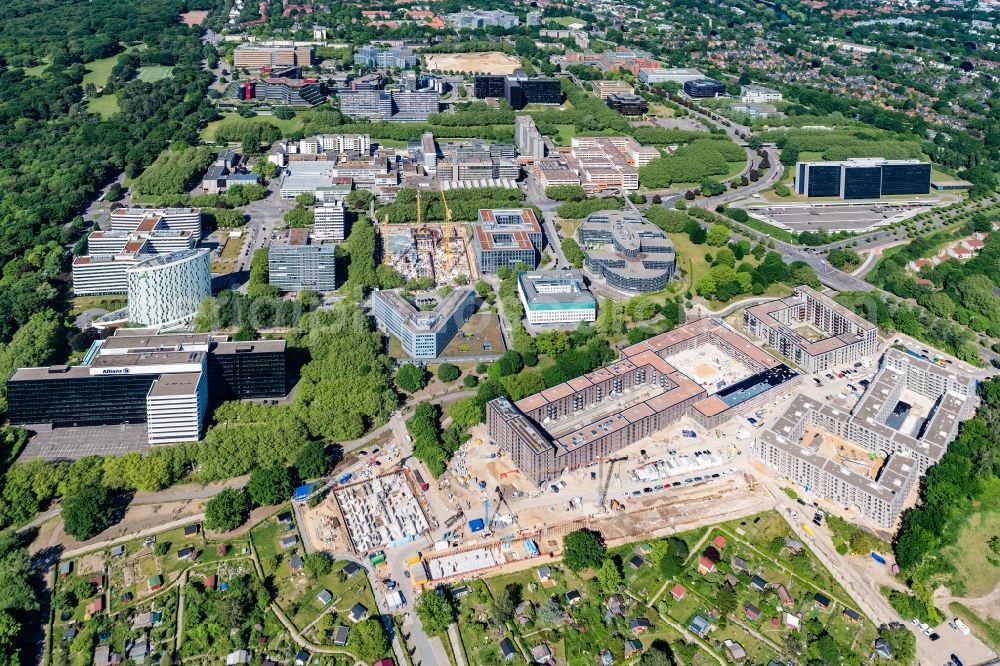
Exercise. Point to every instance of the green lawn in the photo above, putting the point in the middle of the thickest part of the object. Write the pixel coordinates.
(287, 127)
(154, 73)
(106, 105)
(98, 71)
(565, 134)
(732, 170)
(976, 568)
(37, 69)
(567, 21)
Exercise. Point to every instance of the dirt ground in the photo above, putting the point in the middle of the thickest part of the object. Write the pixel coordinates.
(490, 62)
(195, 17)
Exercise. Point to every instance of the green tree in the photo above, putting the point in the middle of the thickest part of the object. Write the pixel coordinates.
(86, 512)
(789, 154)
(227, 510)
(298, 217)
(504, 603)
(312, 460)
(718, 235)
(368, 640)
(411, 378)
(435, 611)
(269, 485)
(583, 549)
(448, 372)
(571, 249)
(317, 564)
(610, 576)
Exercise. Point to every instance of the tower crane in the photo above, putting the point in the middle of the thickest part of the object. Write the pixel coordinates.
(386, 255)
(449, 262)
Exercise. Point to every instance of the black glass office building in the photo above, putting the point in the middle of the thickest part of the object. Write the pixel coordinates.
(519, 90)
(68, 397)
(247, 370)
(489, 86)
(862, 178)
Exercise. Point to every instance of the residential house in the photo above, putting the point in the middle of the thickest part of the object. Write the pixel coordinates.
(606, 658)
(324, 597)
(792, 621)
(541, 653)
(783, 595)
(103, 656)
(882, 649)
(190, 530)
(507, 649)
(793, 545)
(639, 625)
(65, 568)
(719, 542)
(734, 650)
(677, 591)
(139, 650)
(96, 606)
(615, 605)
(636, 562)
(358, 612)
(69, 632)
(142, 621)
(211, 582)
(238, 657)
(852, 616)
(296, 564)
(739, 564)
(351, 568)
(285, 518)
(573, 597)
(301, 658)
(699, 626)
(288, 542)
(185, 553)
(758, 583)
(822, 601)
(544, 573)
(117, 551)
(732, 580)
(751, 611)
(340, 636)
(632, 647)
(705, 565)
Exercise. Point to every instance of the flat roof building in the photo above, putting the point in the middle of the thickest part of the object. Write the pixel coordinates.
(703, 88)
(395, 57)
(519, 89)
(272, 56)
(507, 237)
(608, 162)
(299, 266)
(751, 94)
(902, 445)
(570, 425)
(628, 104)
(140, 376)
(654, 75)
(423, 335)
(626, 251)
(528, 139)
(330, 221)
(482, 18)
(862, 178)
(605, 89)
(812, 330)
(555, 297)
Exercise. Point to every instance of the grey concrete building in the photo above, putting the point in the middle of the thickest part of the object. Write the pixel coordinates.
(626, 251)
(423, 335)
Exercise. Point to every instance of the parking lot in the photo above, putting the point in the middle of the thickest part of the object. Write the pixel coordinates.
(837, 216)
(62, 444)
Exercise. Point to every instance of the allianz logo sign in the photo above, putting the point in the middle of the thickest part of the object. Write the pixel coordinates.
(115, 371)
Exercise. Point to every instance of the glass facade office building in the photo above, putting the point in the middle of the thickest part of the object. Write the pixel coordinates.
(862, 178)
(69, 398)
(238, 371)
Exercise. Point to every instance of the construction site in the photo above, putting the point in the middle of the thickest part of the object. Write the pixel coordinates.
(380, 512)
(847, 454)
(440, 252)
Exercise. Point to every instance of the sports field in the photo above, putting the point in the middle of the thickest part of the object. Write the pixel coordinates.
(154, 73)
(488, 62)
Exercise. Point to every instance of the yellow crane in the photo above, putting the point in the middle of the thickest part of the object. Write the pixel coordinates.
(420, 211)
(447, 232)
(386, 255)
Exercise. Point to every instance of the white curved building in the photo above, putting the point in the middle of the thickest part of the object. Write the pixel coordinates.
(167, 290)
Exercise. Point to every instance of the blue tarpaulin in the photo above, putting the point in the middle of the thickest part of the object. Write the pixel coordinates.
(477, 525)
(302, 492)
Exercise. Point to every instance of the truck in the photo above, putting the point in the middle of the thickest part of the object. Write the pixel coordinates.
(420, 480)
(878, 558)
(961, 626)
(454, 519)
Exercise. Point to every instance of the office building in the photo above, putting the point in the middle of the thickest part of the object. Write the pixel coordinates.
(628, 105)
(872, 456)
(654, 75)
(255, 57)
(626, 251)
(528, 139)
(403, 105)
(605, 89)
(129, 220)
(555, 298)
(287, 91)
(556, 171)
(423, 335)
(812, 330)
(651, 386)
(534, 17)
(110, 253)
(329, 221)
(140, 376)
(507, 237)
(299, 266)
(862, 178)
(752, 94)
(703, 88)
(396, 57)
(519, 89)
(608, 162)
(473, 160)
(482, 18)
(166, 290)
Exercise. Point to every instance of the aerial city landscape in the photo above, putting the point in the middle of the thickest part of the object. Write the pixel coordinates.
(450, 333)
